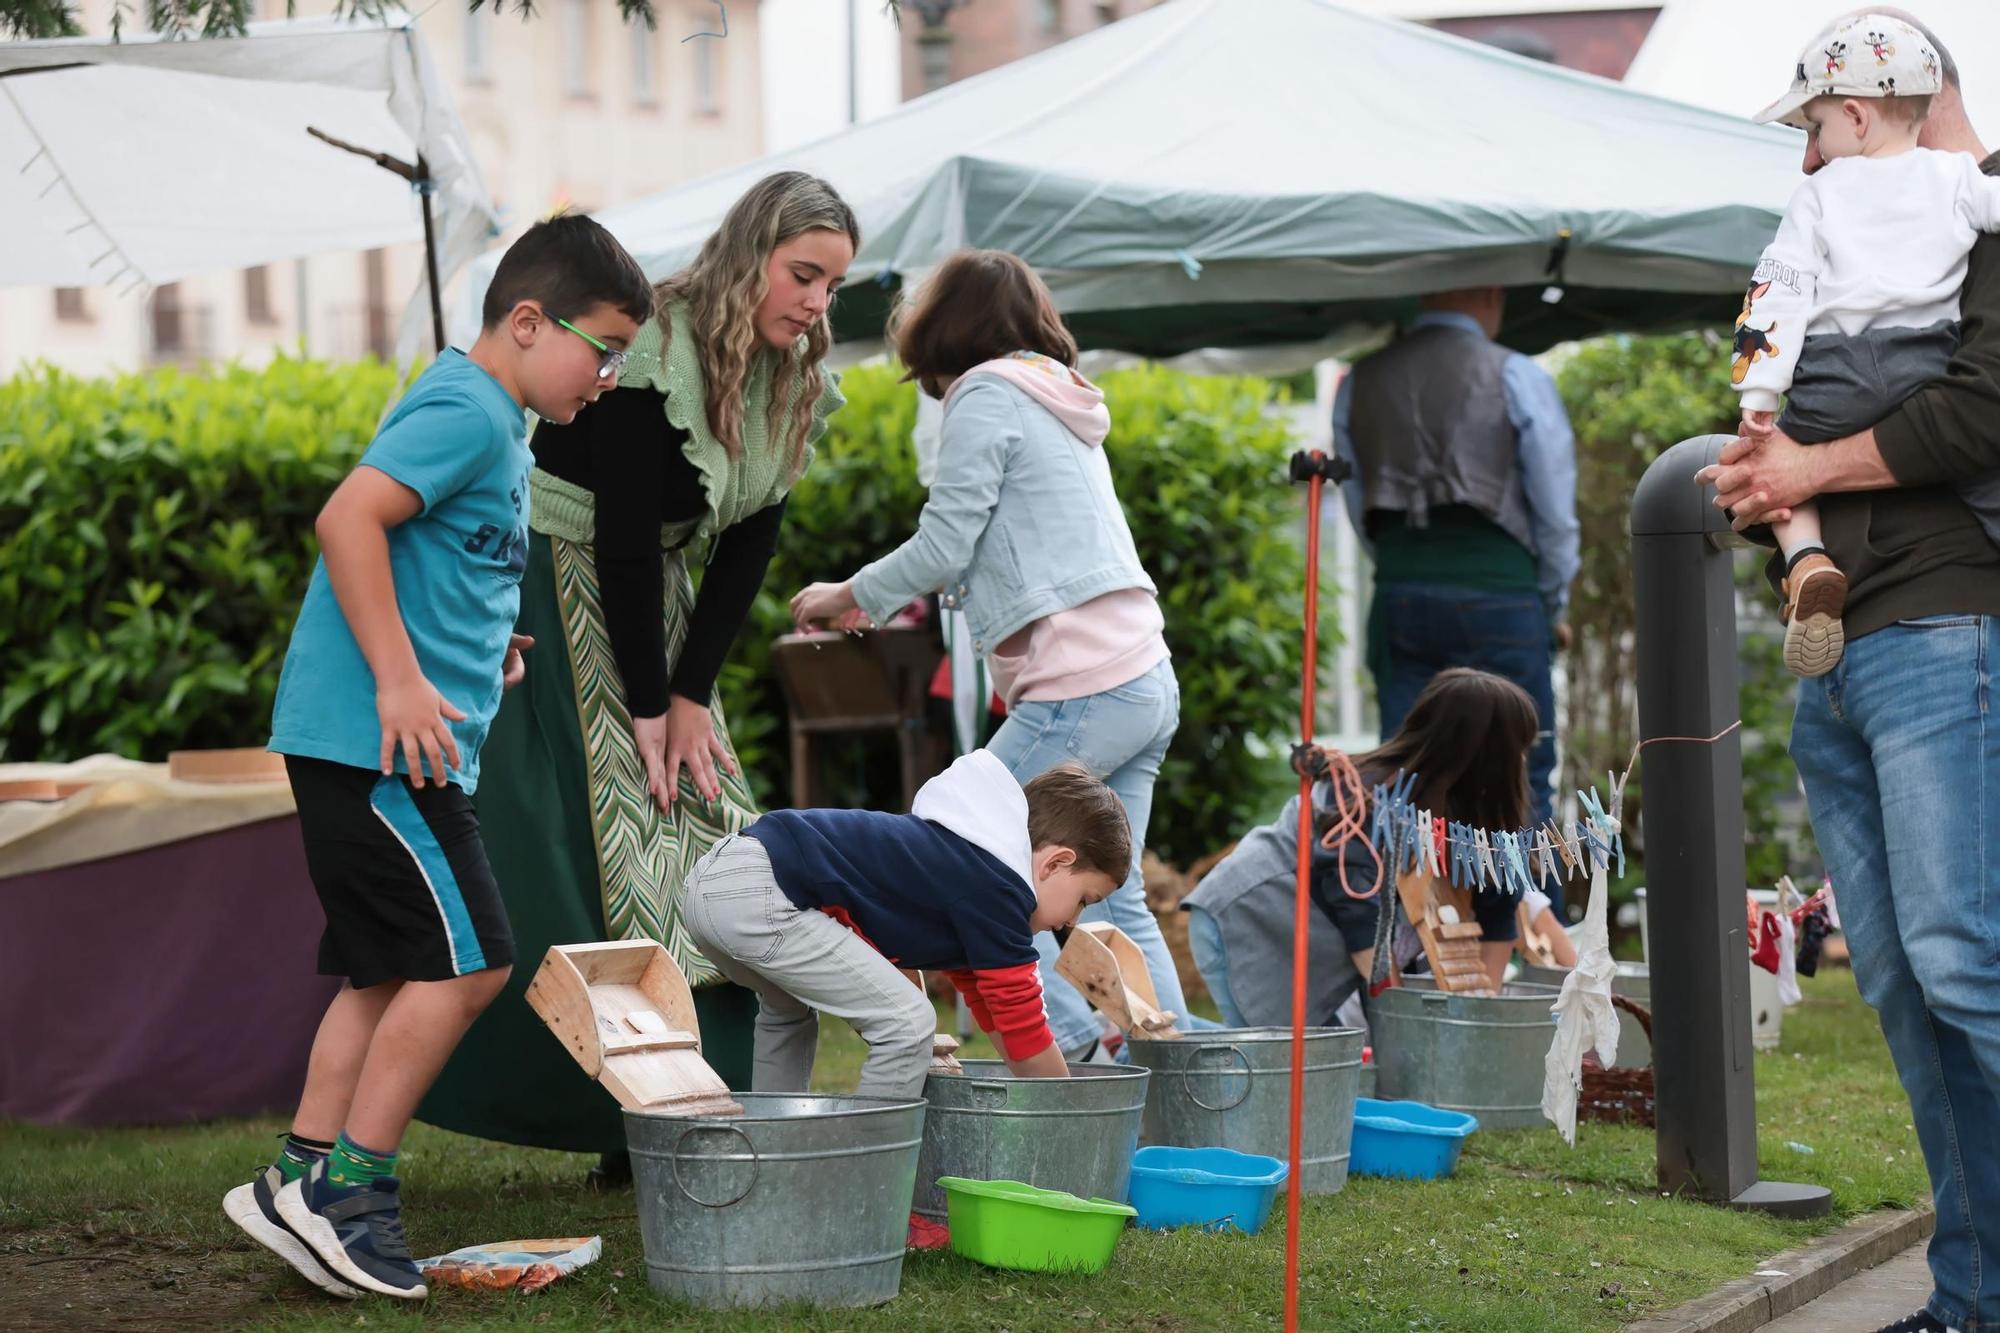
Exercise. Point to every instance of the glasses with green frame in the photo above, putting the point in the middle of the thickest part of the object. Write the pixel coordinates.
(609, 360)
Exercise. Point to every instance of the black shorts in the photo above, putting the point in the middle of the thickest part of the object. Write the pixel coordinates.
(401, 875)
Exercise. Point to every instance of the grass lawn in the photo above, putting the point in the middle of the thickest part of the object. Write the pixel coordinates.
(123, 1228)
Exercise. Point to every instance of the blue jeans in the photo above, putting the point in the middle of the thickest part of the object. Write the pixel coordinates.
(1901, 761)
(1429, 627)
(1211, 959)
(1121, 735)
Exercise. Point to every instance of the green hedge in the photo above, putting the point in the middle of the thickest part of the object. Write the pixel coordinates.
(1629, 400)
(156, 535)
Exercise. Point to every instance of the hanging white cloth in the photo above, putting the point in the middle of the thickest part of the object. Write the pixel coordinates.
(1585, 1018)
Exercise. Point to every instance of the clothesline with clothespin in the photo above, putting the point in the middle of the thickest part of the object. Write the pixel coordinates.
(1412, 839)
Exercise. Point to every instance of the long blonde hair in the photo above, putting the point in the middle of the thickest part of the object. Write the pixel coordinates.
(723, 288)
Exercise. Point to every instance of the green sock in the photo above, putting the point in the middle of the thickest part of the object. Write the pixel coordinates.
(351, 1164)
(299, 1155)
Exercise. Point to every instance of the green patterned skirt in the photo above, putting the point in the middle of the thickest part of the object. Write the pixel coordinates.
(582, 854)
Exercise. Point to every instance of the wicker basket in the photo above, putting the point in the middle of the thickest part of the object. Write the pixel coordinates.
(1620, 1096)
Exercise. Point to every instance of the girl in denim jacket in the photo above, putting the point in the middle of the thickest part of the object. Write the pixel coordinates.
(1023, 533)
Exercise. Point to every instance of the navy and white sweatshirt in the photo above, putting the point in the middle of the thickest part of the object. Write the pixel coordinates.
(947, 887)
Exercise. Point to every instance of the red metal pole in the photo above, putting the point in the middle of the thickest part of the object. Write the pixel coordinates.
(1301, 924)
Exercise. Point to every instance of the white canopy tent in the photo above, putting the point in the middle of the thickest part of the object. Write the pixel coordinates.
(1215, 173)
(1738, 58)
(138, 162)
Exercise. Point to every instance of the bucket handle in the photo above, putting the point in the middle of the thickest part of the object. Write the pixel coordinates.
(1187, 1085)
(756, 1166)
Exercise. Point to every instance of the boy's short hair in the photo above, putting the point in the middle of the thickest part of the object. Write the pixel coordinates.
(571, 265)
(978, 306)
(1069, 806)
(1910, 110)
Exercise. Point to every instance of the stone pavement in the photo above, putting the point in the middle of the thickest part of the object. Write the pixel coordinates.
(1866, 1301)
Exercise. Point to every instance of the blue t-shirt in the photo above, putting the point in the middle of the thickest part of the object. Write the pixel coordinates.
(459, 441)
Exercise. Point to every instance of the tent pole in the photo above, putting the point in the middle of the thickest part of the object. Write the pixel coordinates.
(419, 177)
(425, 185)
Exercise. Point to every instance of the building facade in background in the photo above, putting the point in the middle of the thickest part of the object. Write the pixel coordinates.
(571, 108)
(948, 40)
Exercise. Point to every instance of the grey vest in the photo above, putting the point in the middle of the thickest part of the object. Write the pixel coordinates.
(1429, 420)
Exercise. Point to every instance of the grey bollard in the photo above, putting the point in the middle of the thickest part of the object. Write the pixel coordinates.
(1692, 814)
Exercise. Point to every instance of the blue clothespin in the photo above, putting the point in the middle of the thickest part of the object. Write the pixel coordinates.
(1461, 860)
(1517, 865)
(1591, 841)
(1610, 826)
(1378, 821)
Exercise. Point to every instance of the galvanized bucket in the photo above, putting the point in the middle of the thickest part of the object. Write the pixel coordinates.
(1076, 1134)
(1481, 1054)
(1634, 981)
(802, 1198)
(1232, 1088)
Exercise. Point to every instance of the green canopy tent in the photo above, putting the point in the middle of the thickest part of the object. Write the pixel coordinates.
(1237, 173)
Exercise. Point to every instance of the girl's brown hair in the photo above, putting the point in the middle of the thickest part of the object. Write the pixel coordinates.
(1467, 739)
(978, 305)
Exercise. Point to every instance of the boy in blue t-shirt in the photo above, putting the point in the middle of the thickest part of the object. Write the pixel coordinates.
(396, 666)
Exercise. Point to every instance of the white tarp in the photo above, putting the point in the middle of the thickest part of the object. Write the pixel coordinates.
(1739, 58)
(143, 161)
(1193, 171)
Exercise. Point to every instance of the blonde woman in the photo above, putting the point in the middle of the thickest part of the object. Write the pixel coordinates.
(609, 769)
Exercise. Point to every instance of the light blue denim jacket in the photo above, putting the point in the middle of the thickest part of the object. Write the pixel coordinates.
(1022, 521)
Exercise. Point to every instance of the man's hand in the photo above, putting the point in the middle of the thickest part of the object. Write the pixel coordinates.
(514, 668)
(1758, 481)
(1565, 636)
(414, 717)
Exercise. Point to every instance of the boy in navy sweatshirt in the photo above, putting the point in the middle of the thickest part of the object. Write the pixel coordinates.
(816, 910)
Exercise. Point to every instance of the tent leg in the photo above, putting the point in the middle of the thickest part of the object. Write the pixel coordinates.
(425, 186)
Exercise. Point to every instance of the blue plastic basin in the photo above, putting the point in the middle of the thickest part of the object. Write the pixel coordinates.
(1204, 1187)
(1407, 1139)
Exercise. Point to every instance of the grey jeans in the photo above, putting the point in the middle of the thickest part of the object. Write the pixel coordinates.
(1846, 384)
(802, 963)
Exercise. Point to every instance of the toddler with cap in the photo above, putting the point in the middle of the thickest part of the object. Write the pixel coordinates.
(1854, 305)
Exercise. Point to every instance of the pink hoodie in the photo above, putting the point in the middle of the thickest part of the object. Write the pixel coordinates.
(1069, 397)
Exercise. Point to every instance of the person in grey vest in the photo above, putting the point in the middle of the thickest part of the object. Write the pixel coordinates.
(1464, 494)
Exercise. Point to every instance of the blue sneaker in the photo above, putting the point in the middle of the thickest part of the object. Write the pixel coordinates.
(254, 1208)
(356, 1231)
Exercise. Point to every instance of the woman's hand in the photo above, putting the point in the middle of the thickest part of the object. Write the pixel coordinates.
(830, 604)
(682, 736)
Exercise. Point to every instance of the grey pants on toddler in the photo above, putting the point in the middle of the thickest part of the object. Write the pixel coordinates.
(802, 963)
(1844, 385)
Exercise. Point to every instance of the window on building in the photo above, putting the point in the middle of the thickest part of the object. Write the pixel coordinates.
(375, 293)
(1051, 16)
(70, 305)
(707, 94)
(169, 321)
(479, 44)
(645, 90)
(576, 48)
(257, 295)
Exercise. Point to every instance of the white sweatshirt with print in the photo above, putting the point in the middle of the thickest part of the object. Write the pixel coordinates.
(1866, 243)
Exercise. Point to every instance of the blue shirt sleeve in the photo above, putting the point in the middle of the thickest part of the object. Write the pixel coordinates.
(1548, 477)
(1343, 448)
(438, 448)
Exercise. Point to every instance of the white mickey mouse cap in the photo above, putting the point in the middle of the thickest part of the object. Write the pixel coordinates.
(1870, 55)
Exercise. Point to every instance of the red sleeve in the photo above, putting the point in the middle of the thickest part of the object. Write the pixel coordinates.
(1007, 1002)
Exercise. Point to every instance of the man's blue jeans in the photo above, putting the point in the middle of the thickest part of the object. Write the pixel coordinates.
(1900, 754)
(1430, 627)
